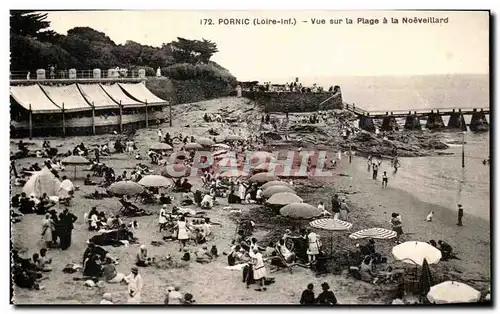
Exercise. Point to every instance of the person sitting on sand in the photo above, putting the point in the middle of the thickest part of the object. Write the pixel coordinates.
(88, 181)
(386, 275)
(142, 259)
(207, 202)
(110, 273)
(366, 270)
(446, 250)
(308, 295)
(173, 296)
(44, 261)
(203, 256)
(233, 198)
(91, 267)
(107, 298)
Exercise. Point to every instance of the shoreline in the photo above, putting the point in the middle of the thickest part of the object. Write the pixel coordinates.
(471, 242)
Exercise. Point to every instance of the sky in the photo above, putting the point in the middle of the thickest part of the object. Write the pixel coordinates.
(266, 52)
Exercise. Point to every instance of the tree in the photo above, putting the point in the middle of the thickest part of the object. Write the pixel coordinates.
(27, 23)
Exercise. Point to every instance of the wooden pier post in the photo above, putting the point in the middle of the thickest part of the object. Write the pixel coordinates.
(93, 118)
(31, 123)
(63, 121)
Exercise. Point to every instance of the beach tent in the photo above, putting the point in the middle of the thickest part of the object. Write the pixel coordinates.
(43, 181)
(270, 191)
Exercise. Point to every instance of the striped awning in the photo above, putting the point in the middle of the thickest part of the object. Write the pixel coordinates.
(373, 233)
(331, 224)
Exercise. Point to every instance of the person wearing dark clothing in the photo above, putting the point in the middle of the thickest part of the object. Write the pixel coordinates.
(66, 221)
(233, 198)
(198, 197)
(16, 200)
(57, 226)
(336, 205)
(96, 152)
(13, 167)
(460, 214)
(165, 199)
(26, 205)
(92, 267)
(327, 296)
(446, 250)
(308, 295)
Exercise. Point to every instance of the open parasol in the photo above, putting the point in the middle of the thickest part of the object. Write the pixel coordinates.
(205, 141)
(234, 137)
(161, 146)
(275, 182)
(414, 252)
(156, 181)
(262, 177)
(126, 188)
(453, 292)
(176, 171)
(300, 210)
(193, 146)
(75, 161)
(221, 146)
(270, 191)
(373, 233)
(330, 224)
(284, 198)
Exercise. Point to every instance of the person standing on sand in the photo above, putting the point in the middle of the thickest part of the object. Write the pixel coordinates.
(344, 210)
(336, 206)
(259, 268)
(460, 214)
(384, 179)
(369, 162)
(397, 226)
(160, 135)
(66, 221)
(376, 165)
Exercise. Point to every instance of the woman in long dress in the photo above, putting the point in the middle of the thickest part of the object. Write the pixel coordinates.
(313, 248)
(241, 191)
(182, 232)
(47, 228)
(259, 269)
(344, 211)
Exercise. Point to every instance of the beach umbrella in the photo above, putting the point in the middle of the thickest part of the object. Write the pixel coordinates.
(205, 141)
(453, 292)
(234, 137)
(276, 182)
(262, 177)
(219, 152)
(161, 146)
(126, 188)
(414, 252)
(193, 146)
(176, 171)
(222, 146)
(300, 210)
(270, 191)
(234, 173)
(284, 198)
(155, 180)
(331, 224)
(374, 233)
(426, 281)
(75, 160)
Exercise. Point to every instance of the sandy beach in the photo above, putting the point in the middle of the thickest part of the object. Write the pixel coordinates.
(371, 206)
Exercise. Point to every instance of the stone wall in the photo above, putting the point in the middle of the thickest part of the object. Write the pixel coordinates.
(295, 102)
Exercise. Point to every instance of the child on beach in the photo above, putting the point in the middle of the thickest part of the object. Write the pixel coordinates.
(384, 179)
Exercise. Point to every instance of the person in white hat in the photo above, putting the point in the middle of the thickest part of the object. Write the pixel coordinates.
(107, 298)
(134, 281)
(174, 296)
(142, 257)
(162, 219)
